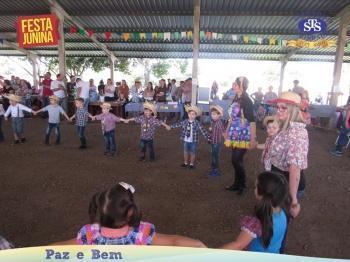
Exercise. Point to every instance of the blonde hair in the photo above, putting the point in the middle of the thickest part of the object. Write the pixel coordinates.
(294, 115)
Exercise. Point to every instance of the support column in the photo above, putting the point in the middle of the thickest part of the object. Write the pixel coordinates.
(34, 62)
(344, 22)
(196, 21)
(111, 68)
(283, 67)
(61, 42)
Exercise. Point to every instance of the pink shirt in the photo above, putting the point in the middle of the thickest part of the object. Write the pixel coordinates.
(108, 121)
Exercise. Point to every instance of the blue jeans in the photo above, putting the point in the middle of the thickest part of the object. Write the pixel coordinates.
(147, 143)
(48, 132)
(1, 133)
(190, 147)
(86, 103)
(18, 125)
(109, 138)
(215, 154)
(81, 133)
(64, 103)
(343, 139)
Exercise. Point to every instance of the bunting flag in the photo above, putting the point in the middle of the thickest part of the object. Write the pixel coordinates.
(208, 35)
(176, 35)
(220, 36)
(183, 34)
(259, 40)
(142, 36)
(167, 36)
(81, 31)
(118, 35)
(160, 36)
(245, 39)
(201, 34)
(241, 40)
(272, 41)
(135, 36)
(90, 32)
(234, 38)
(154, 35)
(108, 35)
(252, 40)
(125, 36)
(215, 35)
(73, 30)
(348, 45)
(149, 36)
(284, 42)
(189, 34)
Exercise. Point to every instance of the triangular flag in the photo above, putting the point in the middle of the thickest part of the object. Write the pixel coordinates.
(279, 42)
(154, 35)
(189, 34)
(183, 34)
(252, 40)
(208, 35)
(272, 41)
(234, 38)
(160, 36)
(266, 41)
(81, 31)
(220, 36)
(118, 35)
(73, 29)
(126, 36)
(136, 36)
(108, 35)
(167, 36)
(241, 40)
(142, 36)
(149, 36)
(259, 40)
(201, 34)
(214, 35)
(90, 32)
(284, 42)
(348, 45)
(173, 36)
(246, 39)
(177, 35)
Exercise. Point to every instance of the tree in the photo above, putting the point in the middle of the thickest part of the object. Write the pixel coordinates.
(161, 68)
(78, 65)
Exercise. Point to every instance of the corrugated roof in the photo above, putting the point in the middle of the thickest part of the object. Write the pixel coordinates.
(277, 18)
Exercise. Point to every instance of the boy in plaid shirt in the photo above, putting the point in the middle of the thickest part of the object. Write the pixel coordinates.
(217, 130)
(81, 118)
(189, 135)
(149, 124)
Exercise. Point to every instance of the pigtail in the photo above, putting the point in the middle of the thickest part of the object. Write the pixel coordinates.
(95, 208)
(263, 212)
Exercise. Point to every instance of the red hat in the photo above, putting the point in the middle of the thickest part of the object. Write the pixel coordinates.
(288, 98)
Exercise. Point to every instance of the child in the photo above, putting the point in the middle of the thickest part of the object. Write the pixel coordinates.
(148, 123)
(217, 130)
(189, 135)
(265, 231)
(16, 111)
(115, 219)
(2, 112)
(54, 110)
(81, 118)
(272, 128)
(108, 121)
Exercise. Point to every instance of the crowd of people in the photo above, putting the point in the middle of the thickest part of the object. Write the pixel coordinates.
(114, 216)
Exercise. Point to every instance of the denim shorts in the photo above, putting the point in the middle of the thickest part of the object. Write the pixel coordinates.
(190, 147)
(17, 125)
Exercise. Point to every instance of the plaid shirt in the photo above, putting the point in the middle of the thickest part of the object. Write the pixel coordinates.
(217, 128)
(196, 128)
(81, 117)
(4, 244)
(148, 126)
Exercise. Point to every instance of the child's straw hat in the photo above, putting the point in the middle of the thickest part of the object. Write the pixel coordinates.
(269, 118)
(217, 108)
(194, 109)
(14, 98)
(150, 107)
(53, 97)
(106, 105)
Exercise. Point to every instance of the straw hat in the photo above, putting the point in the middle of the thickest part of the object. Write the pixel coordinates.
(288, 98)
(269, 118)
(218, 108)
(150, 107)
(53, 97)
(194, 109)
(13, 97)
(106, 105)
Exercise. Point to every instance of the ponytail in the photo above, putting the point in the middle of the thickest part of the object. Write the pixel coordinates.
(263, 212)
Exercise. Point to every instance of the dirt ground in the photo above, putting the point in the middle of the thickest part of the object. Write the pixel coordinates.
(45, 190)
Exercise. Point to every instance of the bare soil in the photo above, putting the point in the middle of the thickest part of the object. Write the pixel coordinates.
(45, 190)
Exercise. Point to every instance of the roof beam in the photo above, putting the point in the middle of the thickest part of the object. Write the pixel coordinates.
(30, 54)
(60, 10)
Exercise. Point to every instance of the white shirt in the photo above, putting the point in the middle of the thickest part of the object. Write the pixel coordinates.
(2, 111)
(190, 138)
(84, 89)
(17, 110)
(112, 89)
(54, 85)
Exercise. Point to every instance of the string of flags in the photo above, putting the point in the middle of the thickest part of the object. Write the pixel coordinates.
(204, 35)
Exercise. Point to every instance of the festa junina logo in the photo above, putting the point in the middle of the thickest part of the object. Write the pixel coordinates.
(312, 26)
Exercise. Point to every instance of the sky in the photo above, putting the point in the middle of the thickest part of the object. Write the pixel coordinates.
(316, 77)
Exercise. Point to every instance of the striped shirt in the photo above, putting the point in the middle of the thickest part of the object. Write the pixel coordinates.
(217, 129)
(81, 116)
(148, 126)
(196, 127)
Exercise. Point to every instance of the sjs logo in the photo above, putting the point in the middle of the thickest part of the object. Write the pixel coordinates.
(312, 26)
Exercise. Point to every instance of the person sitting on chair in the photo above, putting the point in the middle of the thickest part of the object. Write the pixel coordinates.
(343, 137)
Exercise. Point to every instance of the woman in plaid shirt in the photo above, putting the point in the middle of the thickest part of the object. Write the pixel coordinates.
(190, 130)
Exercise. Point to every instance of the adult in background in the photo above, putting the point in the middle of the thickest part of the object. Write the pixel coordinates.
(160, 92)
(269, 96)
(71, 88)
(343, 138)
(58, 88)
(101, 88)
(214, 91)
(148, 94)
(83, 89)
(246, 112)
(93, 94)
(47, 92)
(109, 91)
(135, 92)
(290, 147)
(297, 88)
(174, 91)
(229, 94)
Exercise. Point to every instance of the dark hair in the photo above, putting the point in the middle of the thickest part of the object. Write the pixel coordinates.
(273, 188)
(78, 79)
(58, 75)
(242, 81)
(151, 85)
(80, 99)
(114, 208)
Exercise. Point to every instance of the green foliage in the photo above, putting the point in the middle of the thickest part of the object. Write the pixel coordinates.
(160, 69)
(182, 65)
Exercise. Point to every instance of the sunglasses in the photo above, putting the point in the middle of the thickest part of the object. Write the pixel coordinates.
(282, 108)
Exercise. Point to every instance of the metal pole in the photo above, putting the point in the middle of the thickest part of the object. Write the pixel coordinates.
(344, 22)
(35, 71)
(61, 43)
(283, 67)
(111, 67)
(196, 21)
